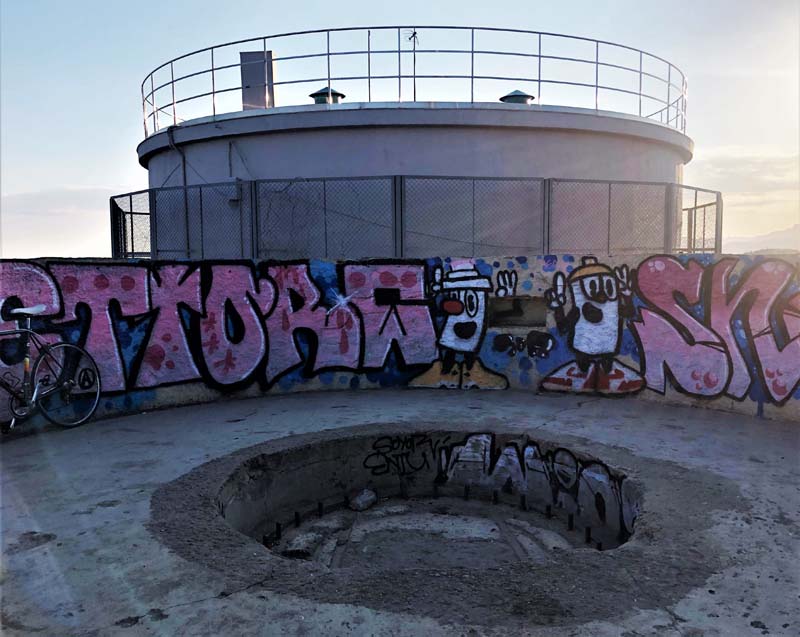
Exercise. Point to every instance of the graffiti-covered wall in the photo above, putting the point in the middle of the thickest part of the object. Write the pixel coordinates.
(722, 332)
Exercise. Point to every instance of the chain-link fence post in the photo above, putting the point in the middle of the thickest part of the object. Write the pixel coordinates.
(398, 187)
(608, 226)
(669, 218)
(116, 216)
(547, 191)
(253, 194)
(151, 197)
(718, 228)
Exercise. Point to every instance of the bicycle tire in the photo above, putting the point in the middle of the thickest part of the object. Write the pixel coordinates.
(74, 368)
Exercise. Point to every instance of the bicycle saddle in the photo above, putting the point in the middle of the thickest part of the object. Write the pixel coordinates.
(30, 311)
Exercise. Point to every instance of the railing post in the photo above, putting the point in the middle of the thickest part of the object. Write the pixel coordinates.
(144, 112)
(268, 101)
(329, 97)
(718, 227)
(399, 70)
(172, 84)
(539, 71)
(414, 61)
(213, 87)
(472, 67)
(669, 86)
(684, 104)
(596, 75)
(369, 66)
(640, 83)
(153, 99)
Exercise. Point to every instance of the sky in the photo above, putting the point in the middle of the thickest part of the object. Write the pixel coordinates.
(70, 109)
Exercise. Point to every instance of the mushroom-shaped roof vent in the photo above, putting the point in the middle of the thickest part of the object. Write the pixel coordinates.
(327, 95)
(517, 97)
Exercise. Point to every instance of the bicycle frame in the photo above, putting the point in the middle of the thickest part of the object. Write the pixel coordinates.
(28, 395)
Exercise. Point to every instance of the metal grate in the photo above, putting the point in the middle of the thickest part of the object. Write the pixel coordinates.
(290, 219)
(637, 218)
(357, 218)
(580, 219)
(509, 216)
(225, 220)
(701, 215)
(438, 217)
(130, 225)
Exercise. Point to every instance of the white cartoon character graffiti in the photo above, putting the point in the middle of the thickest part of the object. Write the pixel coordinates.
(601, 301)
(464, 294)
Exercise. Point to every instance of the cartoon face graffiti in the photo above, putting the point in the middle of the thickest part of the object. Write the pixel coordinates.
(464, 304)
(463, 293)
(601, 300)
(594, 292)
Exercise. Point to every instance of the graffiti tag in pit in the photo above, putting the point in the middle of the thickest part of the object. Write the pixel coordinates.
(600, 301)
(403, 455)
(599, 497)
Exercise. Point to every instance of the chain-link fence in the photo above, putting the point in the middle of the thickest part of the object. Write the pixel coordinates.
(332, 218)
(403, 216)
(130, 225)
(700, 226)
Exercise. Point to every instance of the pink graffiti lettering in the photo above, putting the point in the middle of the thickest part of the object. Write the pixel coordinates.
(168, 359)
(706, 355)
(99, 287)
(392, 303)
(298, 306)
(234, 338)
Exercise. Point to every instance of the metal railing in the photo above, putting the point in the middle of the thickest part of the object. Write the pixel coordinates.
(414, 217)
(417, 63)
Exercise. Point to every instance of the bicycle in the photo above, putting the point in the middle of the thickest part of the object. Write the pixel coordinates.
(63, 383)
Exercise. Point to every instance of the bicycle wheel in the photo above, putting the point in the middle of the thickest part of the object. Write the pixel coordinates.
(69, 384)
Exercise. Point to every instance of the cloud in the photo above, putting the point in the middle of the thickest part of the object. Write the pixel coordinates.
(55, 223)
(761, 192)
(733, 172)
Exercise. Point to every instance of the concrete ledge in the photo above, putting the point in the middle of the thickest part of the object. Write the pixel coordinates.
(415, 114)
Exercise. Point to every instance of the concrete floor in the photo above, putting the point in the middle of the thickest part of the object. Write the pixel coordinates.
(79, 560)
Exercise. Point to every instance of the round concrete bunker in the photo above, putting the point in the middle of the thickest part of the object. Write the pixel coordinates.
(472, 526)
(436, 499)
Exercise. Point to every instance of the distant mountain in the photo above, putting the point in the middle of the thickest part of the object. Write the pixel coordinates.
(780, 241)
